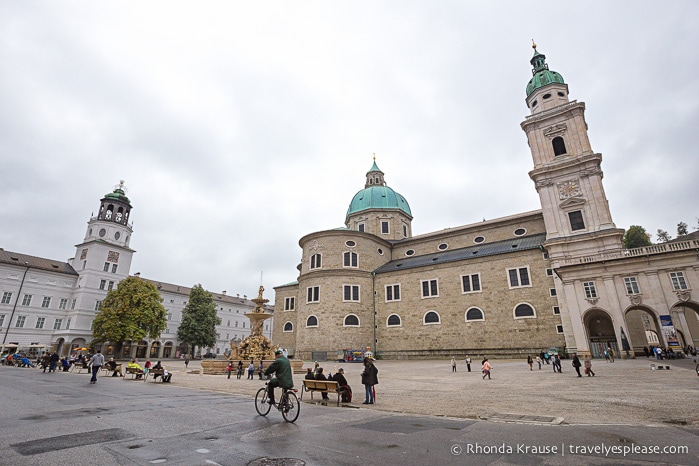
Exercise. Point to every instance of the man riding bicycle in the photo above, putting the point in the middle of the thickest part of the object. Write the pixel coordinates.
(284, 377)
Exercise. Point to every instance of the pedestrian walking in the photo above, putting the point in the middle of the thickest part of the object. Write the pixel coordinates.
(240, 370)
(530, 362)
(576, 364)
(369, 379)
(588, 366)
(229, 368)
(453, 364)
(538, 361)
(251, 371)
(468, 363)
(186, 361)
(96, 362)
(486, 368)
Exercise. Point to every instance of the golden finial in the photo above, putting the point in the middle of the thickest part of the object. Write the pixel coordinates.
(533, 44)
(374, 156)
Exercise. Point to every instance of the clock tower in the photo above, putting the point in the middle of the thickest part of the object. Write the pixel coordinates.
(567, 172)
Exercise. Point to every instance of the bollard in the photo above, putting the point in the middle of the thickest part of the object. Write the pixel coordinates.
(652, 367)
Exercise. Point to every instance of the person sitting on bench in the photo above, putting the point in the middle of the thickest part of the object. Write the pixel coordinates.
(115, 367)
(166, 374)
(133, 365)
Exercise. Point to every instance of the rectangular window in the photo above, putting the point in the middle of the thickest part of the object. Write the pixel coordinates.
(72, 305)
(40, 322)
(384, 227)
(429, 288)
(63, 303)
(351, 293)
(559, 329)
(576, 220)
(103, 283)
(631, 285)
(68, 324)
(114, 268)
(313, 294)
(471, 283)
(19, 323)
(678, 281)
(236, 323)
(315, 261)
(97, 304)
(106, 267)
(405, 231)
(392, 293)
(556, 310)
(549, 272)
(545, 255)
(519, 277)
(6, 297)
(350, 259)
(2, 319)
(57, 324)
(289, 303)
(552, 292)
(360, 227)
(27, 300)
(590, 290)
(46, 302)
(110, 286)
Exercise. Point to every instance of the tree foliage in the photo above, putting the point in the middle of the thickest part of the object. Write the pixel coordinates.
(681, 229)
(131, 311)
(636, 237)
(199, 319)
(663, 236)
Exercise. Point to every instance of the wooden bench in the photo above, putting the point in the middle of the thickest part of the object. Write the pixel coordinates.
(134, 372)
(155, 373)
(80, 366)
(323, 386)
(108, 371)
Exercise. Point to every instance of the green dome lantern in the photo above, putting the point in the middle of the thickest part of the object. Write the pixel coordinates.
(376, 195)
(542, 76)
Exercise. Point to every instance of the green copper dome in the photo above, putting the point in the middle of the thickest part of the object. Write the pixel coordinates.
(118, 194)
(376, 195)
(542, 76)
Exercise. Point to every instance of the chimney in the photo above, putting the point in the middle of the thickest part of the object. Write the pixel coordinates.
(137, 274)
(223, 292)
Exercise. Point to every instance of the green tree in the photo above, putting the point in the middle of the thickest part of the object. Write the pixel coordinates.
(130, 312)
(681, 229)
(199, 319)
(636, 237)
(663, 236)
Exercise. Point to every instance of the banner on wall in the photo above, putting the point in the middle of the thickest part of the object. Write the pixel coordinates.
(669, 331)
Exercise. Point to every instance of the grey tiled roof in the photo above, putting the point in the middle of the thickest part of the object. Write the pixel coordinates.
(22, 260)
(522, 243)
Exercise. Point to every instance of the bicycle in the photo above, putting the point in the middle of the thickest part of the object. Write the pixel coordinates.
(288, 403)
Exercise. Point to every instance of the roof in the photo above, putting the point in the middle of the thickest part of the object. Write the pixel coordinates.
(185, 291)
(507, 246)
(24, 260)
(378, 197)
(690, 236)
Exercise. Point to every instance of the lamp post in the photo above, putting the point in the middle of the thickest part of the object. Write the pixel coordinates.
(4, 338)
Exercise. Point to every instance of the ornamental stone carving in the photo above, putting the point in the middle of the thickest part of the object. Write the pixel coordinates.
(635, 299)
(555, 130)
(683, 295)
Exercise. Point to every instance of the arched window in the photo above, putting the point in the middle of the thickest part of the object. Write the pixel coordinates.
(312, 321)
(559, 146)
(349, 259)
(474, 314)
(393, 320)
(351, 320)
(524, 310)
(288, 327)
(431, 317)
(315, 261)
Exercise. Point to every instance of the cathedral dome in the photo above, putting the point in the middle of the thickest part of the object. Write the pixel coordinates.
(542, 76)
(376, 195)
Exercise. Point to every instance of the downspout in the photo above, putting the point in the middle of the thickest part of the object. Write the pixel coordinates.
(14, 308)
(373, 287)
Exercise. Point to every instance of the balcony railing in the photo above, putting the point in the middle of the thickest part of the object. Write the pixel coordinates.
(636, 252)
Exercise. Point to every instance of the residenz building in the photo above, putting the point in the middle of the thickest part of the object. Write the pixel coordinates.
(47, 304)
(554, 277)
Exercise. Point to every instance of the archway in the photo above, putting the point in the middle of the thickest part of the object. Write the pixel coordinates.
(141, 349)
(685, 318)
(60, 349)
(600, 332)
(167, 350)
(644, 328)
(154, 350)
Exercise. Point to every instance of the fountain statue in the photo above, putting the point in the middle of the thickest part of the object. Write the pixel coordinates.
(256, 346)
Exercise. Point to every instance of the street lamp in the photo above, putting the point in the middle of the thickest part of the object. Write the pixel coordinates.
(4, 338)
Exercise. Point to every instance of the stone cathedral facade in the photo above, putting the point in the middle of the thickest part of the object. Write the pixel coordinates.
(554, 277)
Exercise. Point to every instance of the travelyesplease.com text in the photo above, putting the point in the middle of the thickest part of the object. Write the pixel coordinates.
(568, 449)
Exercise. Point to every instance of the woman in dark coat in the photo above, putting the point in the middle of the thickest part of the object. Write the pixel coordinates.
(369, 379)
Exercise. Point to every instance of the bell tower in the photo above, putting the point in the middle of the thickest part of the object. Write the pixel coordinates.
(567, 172)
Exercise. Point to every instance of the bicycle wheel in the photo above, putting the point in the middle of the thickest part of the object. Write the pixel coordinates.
(291, 407)
(261, 404)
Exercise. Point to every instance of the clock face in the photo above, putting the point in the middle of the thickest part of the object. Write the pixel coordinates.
(103, 232)
(569, 189)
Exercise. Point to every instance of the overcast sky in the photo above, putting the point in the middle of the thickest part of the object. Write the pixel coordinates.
(240, 127)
